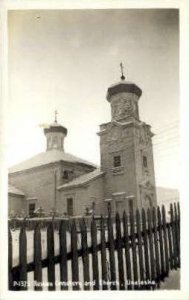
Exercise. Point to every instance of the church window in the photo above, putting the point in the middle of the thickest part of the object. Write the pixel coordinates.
(31, 209)
(117, 161)
(65, 174)
(145, 161)
(70, 206)
(55, 142)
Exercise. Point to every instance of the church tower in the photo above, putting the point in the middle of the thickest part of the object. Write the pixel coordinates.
(55, 135)
(126, 150)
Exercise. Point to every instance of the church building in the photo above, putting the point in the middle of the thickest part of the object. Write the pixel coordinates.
(72, 186)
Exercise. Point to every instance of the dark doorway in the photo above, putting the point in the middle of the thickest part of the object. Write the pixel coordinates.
(70, 206)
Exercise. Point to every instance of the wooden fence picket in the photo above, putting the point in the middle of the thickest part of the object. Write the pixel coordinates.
(63, 255)
(162, 260)
(23, 259)
(146, 249)
(151, 248)
(37, 258)
(133, 247)
(85, 254)
(94, 254)
(50, 255)
(120, 253)
(111, 254)
(177, 234)
(127, 251)
(103, 255)
(165, 241)
(140, 248)
(170, 241)
(75, 268)
(178, 218)
(156, 246)
(173, 229)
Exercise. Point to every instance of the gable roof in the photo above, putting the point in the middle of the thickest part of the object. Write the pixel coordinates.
(48, 157)
(13, 190)
(85, 178)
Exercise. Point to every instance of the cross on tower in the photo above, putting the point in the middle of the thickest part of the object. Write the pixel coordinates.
(55, 116)
(122, 68)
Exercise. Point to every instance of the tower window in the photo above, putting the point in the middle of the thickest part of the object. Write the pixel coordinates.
(65, 174)
(145, 162)
(117, 161)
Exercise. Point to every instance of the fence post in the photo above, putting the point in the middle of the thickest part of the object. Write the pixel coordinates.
(85, 254)
(119, 253)
(50, 255)
(75, 269)
(146, 252)
(63, 255)
(140, 251)
(171, 258)
(161, 244)
(133, 247)
(157, 262)
(103, 256)
(10, 284)
(150, 237)
(173, 236)
(94, 254)
(111, 252)
(165, 241)
(37, 258)
(127, 251)
(23, 258)
(177, 235)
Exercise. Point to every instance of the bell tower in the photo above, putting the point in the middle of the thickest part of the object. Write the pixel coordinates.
(123, 97)
(126, 150)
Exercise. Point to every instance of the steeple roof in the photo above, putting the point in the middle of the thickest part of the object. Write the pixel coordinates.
(123, 86)
(56, 127)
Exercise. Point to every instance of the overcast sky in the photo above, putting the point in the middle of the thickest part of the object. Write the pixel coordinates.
(66, 60)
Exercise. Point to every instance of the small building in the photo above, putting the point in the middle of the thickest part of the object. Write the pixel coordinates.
(70, 185)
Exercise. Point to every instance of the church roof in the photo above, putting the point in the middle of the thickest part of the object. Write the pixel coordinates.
(13, 190)
(82, 179)
(48, 157)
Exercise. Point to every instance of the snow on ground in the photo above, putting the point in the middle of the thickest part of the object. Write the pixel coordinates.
(172, 282)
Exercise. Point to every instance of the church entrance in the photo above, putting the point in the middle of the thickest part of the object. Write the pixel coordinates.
(70, 206)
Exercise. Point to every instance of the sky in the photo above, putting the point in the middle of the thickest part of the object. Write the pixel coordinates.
(67, 59)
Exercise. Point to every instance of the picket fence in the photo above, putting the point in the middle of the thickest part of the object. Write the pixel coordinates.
(136, 252)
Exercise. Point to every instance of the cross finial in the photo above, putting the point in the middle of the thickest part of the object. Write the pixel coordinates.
(55, 116)
(122, 68)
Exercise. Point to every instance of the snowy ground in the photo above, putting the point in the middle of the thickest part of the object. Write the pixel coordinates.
(172, 282)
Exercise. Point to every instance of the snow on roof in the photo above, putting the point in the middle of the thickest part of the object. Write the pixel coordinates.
(82, 179)
(13, 190)
(48, 157)
(119, 193)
